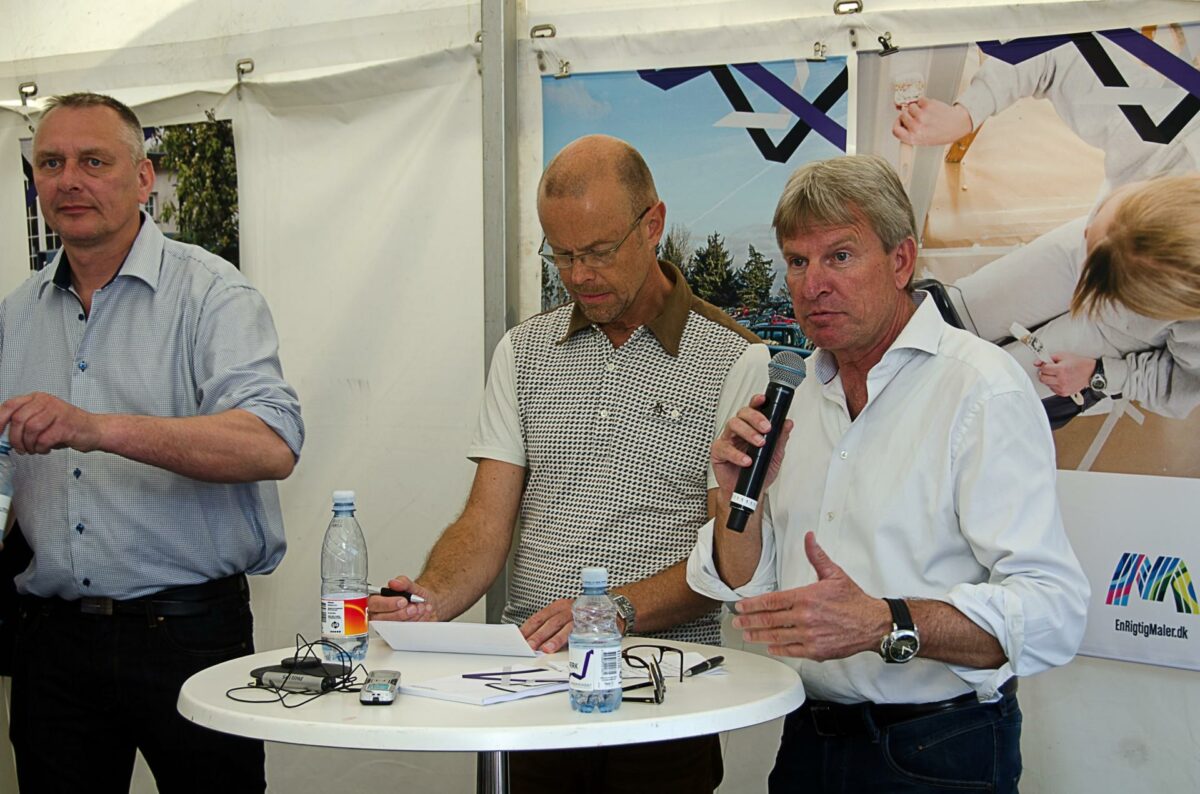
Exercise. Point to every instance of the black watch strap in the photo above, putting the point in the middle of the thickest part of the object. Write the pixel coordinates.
(900, 614)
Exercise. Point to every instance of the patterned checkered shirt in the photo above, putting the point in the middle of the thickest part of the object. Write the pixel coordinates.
(178, 332)
(615, 442)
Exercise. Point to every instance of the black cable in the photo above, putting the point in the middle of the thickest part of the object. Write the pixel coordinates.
(305, 650)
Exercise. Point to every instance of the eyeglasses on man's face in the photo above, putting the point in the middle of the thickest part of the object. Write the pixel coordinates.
(593, 259)
(649, 658)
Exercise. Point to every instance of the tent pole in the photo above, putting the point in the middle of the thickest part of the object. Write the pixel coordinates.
(499, 85)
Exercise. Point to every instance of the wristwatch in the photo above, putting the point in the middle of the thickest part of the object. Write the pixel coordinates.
(903, 642)
(625, 610)
(1099, 381)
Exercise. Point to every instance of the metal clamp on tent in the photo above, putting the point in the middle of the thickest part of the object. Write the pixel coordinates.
(548, 31)
(244, 67)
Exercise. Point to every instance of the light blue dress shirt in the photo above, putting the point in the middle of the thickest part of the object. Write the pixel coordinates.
(178, 332)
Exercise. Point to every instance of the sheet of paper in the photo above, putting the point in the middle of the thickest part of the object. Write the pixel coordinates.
(502, 639)
(492, 686)
(669, 666)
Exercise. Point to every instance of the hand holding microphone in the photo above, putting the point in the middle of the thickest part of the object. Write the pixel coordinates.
(787, 372)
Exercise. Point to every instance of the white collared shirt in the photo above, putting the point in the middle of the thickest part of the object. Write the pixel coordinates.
(942, 488)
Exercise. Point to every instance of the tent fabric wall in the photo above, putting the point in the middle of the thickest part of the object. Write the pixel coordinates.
(14, 248)
(362, 197)
(359, 142)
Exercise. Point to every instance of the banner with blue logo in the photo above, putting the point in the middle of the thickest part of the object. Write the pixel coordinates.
(1139, 549)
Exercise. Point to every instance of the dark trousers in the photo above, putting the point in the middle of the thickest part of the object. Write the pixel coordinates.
(89, 690)
(971, 747)
(679, 766)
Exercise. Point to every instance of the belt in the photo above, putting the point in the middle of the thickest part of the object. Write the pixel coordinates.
(857, 719)
(184, 601)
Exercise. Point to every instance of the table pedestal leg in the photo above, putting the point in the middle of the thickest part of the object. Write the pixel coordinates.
(491, 772)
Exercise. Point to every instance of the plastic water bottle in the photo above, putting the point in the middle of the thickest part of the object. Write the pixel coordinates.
(7, 467)
(344, 583)
(595, 647)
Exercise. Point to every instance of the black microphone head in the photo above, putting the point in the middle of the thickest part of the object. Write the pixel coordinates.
(787, 369)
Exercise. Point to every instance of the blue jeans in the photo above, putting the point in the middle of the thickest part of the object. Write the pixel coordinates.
(972, 747)
(89, 690)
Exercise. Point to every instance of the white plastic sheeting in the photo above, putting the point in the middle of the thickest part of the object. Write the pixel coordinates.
(359, 144)
(360, 197)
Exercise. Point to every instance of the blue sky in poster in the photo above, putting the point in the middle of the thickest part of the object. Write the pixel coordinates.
(713, 179)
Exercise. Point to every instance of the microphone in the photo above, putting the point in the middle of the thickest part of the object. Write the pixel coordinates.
(787, 372)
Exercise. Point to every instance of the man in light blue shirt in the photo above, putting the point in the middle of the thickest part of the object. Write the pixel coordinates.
(143, 395)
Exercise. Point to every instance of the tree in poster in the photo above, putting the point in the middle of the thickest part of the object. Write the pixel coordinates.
(755, 279)
(202, 158)
(676, 247)
(711, 273)
(553, 292)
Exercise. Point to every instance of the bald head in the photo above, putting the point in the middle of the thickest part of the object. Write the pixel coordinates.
(597, 159)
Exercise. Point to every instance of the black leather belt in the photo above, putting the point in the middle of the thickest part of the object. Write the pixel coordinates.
(856, 719)
(194, 599)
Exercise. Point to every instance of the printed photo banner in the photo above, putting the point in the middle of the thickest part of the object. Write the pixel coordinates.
(1137, 542)
(1008, 150)
(721, 141)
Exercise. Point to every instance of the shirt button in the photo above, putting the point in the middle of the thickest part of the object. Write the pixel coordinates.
(82, 366)
(829, 516)
(82, 316)
(79, 528)
(77, 472)
(603, 414)
(611, 367)
(87, 582)
(845, 454)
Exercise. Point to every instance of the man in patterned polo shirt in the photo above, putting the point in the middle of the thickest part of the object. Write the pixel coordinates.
(593, 436)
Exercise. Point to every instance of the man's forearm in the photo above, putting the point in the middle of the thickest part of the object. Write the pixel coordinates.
(462, 566)
(665, 600)
(950, 636)
(229, 447)
(736, 554)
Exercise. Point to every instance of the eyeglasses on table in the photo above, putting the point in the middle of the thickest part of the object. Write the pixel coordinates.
(649, 658)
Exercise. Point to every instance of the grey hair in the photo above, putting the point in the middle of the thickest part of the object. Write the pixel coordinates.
(835, 192)
(131, 127)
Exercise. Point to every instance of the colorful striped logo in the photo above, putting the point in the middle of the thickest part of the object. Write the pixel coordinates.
(1152, 581)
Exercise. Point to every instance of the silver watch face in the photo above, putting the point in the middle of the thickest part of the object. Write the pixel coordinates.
(1099, 382)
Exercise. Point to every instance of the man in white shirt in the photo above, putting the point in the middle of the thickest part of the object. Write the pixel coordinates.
(910, 554)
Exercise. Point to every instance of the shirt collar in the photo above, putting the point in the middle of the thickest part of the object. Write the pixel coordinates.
(143, 261)
(922, 332)
(667, 326)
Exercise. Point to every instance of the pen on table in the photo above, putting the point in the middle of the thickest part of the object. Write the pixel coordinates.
(390, 593)
(704, 666)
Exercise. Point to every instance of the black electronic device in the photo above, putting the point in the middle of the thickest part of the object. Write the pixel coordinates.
(787, 372)
(291, 677)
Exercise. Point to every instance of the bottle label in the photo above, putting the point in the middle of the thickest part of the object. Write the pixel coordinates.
(5, 501)
(593, 669)
(344, 616)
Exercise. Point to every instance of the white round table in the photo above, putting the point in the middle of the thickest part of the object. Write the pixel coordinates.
(754, 690)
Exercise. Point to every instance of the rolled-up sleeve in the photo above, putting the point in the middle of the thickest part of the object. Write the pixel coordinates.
(705, 579)
(1035, 599)
(236, 363)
